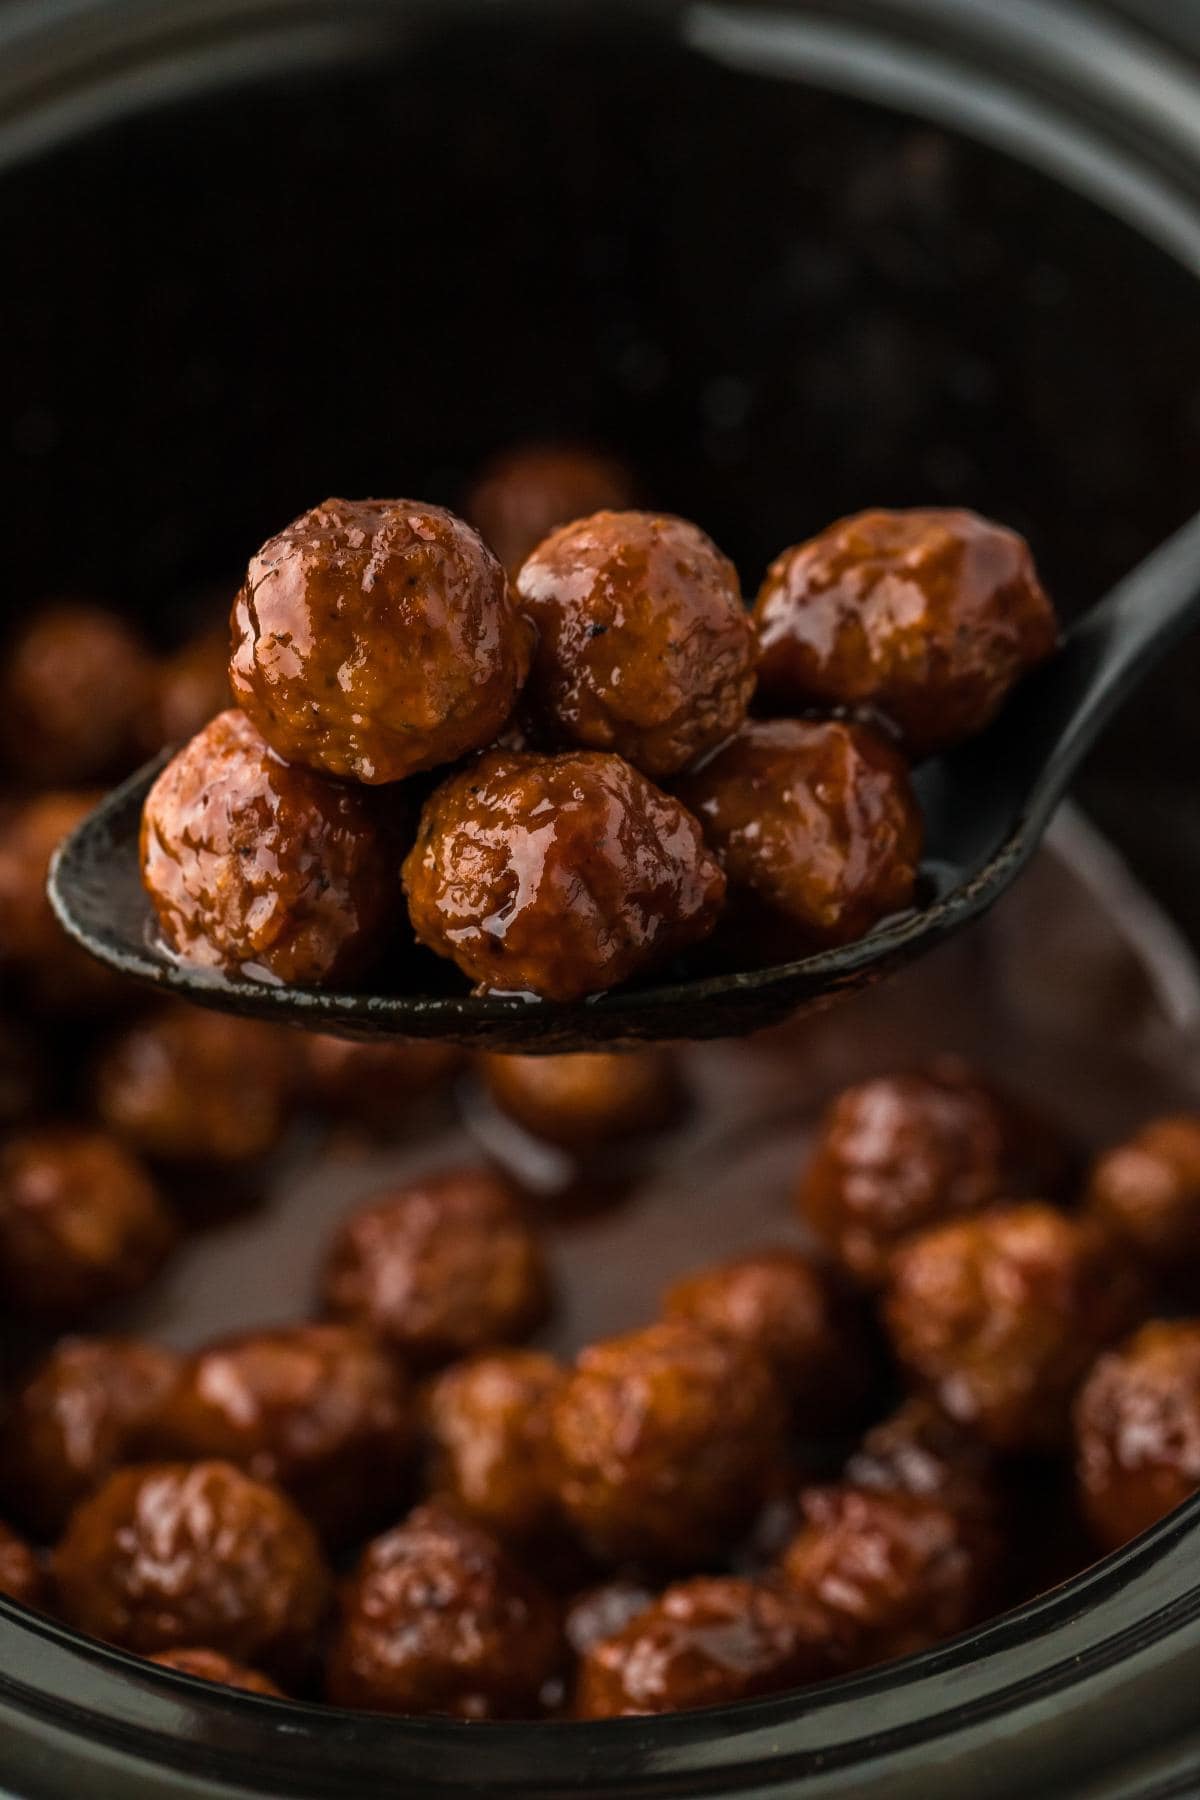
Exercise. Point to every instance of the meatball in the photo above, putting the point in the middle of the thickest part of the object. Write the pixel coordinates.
(925, 618)
(375, 638)
(487, 1420)
(706, 1642)
(529, 490)
(601, 1612)
(34, 949)
(1147, 1193)
(662, 1440)
(440, 1268)
(81, 1223)
(900, 1152)
(187, 1085)
(587, 1099)
(558, 875)
(190, 688)
(210, 1665)
(20, 1571)
(374, 1085)
(438, 1619)
(251, 864)
(918, 1450)
(644, 646)
(318, 1410)
(999, 1318)
(1137, 1431)
(890, 1573)
(816, 822)
(80, 1413)
(168, 1555)
(73, 695)
(783, 1306)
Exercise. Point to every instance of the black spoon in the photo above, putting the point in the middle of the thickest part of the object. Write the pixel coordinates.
(986, 805)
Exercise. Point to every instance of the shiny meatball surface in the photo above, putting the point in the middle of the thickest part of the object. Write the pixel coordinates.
(926, 617)
(705, 1642)
(815, 820)
(585, 1099)
(918, 1450)
(487, 1420)
(604, 1610)
(75, 687)
(251, 863)
(661, 1441)
(644, 646)
(81, 1222)
(81, 1411)
(1147, 1193)
(169, 1555)
(558, 875)
(34, 950)
(20, 1572)
(319, 1410)
(900, 1152)
(440, 1268)
(1137, 1431)
(210, 1665)
(187, 1085)
(526, 492)
(999, 1317)
(375, 638)
(439, 1619)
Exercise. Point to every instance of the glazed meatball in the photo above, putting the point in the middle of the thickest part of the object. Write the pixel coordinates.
(586, 1099)
(318, 1410)
(662, 1440)
(438, 1619)
(816, 822)
(925, 618)
(601, 1612)
(76, 685)
(900, 1152)
(255, 865)
(558, 875)
(440, 1268)
(487, 1420)
(80, 1413)
(20, 1571)
(190, 688)
(784, 1307)
(1147, 1193)
(1137, 1431)
(81, 1223)
(34, 949)
(374, 638)
(890, 1573)
(644, 646)
(374, 1085)
(999, 1318)
(526, 492)
(918, 1450)
(187, 1085)
(706, 1642)
(168, 1555)
(210, 1665)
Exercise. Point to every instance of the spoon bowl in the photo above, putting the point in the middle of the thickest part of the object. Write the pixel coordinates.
(986, 805)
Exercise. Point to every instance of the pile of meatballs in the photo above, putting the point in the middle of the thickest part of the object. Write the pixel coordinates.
(547, 772)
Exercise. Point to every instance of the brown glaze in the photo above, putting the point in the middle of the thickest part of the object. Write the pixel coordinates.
(487, 1421)
(80, 1413)
(816, 821)
(585, 1100)
(558, 875)
(999, 1317)
(375, 638)
(187, 1085)
(901, 1152)
(21, 1575)
(644, 646)
(602, 1611)
(709, 1641)
(439, 1268)
(210, 1665)
(191, 686)
(438, 1619)
(1146, 1191)
(925, 617)
(75, 689)
(378, 1086)
(318, 1410)
(253, 864)
(528, 491)
(662, 1440)
(918, 1450)
(1137, 1431)
(168, 1555)
(34, 950)
(81, 1222)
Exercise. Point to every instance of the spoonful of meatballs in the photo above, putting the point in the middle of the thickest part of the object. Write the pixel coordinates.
(592, 798)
